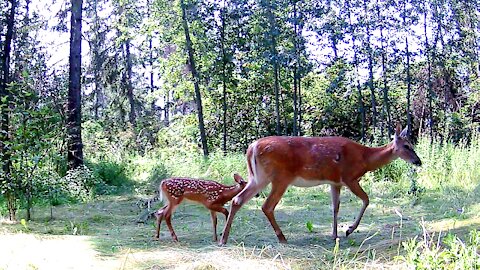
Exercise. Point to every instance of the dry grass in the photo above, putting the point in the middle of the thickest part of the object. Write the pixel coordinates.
(103, 234)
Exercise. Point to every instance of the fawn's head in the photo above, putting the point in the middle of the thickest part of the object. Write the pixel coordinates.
(239, 180)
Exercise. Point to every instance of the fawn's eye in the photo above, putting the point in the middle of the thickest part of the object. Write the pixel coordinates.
(407, 147)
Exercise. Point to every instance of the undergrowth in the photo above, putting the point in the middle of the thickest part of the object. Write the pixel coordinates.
(433, 251)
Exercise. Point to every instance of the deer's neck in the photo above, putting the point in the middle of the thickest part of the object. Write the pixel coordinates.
(377, 157)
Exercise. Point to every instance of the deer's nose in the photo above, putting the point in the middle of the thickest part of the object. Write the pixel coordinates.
(417, 162)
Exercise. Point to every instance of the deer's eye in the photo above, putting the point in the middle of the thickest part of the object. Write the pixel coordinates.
(407, 147)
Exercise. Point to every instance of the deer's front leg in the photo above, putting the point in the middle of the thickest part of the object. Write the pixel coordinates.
(214, 223)
(360, 193)
(213, 210)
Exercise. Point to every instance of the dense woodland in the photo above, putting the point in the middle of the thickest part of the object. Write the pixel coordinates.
(212, 76)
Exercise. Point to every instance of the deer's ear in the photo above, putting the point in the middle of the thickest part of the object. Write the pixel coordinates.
(238, 178)
(404, 133)
(397, 131)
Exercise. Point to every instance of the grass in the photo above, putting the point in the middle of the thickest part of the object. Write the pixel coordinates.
(103, 234)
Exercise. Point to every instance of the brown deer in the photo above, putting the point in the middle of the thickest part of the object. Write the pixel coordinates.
(308, 162)
(211, 194)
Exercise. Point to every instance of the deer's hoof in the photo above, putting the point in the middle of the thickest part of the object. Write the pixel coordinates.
(282, 239)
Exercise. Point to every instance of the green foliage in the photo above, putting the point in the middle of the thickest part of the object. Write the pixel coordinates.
(111, 173)
(309, 226)
(330, 103)
(32, 146)
(449, 165)
(78, 183)
(455, 253)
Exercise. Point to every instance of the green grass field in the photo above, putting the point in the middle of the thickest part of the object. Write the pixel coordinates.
(103, 233)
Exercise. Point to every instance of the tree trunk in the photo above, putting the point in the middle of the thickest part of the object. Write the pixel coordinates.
(5, 114)
(74, 118)
(409, 80)
(97, 63)
(273, 52)
(295, 70)
(370, 72)
(224, 83)
(299, 78)
(386, 104)
(167, 109)
(132, 116)
(196, 79)
(295, 102)
(409, 88)
(150, 60)
(430, 91)
(361, 107)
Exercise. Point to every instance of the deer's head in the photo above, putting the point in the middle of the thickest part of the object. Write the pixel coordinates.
(403, 148)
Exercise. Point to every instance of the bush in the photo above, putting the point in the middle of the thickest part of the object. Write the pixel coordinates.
(112, 176)
(77, 185)
(158, 172)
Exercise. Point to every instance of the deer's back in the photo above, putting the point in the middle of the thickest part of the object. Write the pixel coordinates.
(319, 158)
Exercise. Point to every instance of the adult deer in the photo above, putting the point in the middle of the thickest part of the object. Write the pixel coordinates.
(211, 194)
(308, 162)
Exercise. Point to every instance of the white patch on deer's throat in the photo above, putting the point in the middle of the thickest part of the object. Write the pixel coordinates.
(301, 182)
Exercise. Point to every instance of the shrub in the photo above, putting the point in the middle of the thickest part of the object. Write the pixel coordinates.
(112, 176)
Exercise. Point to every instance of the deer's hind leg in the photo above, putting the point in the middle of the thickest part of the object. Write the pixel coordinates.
(159, 215)
(173, 203)
(268, 209)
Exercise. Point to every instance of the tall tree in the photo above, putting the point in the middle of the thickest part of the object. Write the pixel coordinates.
(370, 64)
(74, 118)
(352, 31)
(127, 16)
(270, 7)
(295, 69)
(150, 61)
(128, 81)
(386, 103)
(196, 79)
(224, 75)
(407, 64)
(5, 114)
(97, 46)
(429, 63)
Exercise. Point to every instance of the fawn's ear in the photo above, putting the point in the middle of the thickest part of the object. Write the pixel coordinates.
(238, 178)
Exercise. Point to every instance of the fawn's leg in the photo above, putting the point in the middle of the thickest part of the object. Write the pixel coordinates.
(159, 221)
(213, 211)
